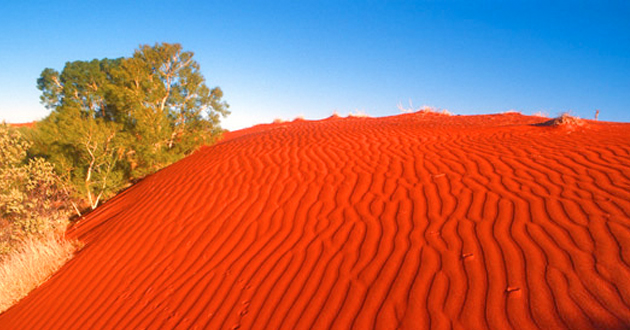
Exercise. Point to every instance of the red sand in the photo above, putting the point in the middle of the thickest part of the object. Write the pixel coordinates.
(31, 124)
(414, 221)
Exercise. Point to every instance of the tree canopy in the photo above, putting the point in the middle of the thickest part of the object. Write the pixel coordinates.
(117, 120)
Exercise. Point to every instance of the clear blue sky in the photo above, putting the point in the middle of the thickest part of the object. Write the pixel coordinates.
(282, 59)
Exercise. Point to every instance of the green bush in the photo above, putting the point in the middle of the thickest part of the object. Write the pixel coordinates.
(32, 199)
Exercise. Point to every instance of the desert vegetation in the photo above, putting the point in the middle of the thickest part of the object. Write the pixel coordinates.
(27, 266)
(34, 213)
(565, 120)
(112, 122)
(423, 109)
(33, 201)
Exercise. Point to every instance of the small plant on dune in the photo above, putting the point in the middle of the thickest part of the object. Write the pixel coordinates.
(564, 120)
(540, 114)
(358, 114)
(30, 265)
(411, 108)
(568, 120)
(423, 110)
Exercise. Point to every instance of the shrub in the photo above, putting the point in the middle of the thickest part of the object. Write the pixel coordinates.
(32, 200)
(564, 120)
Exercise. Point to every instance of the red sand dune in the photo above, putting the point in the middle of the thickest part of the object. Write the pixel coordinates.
(414, 221)
(31, 124)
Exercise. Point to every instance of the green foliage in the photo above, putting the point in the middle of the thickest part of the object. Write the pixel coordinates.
(85, 150)
(31, 198)
(114, 121)
(163, 101)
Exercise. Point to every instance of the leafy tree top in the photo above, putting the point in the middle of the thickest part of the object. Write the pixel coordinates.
(116, 120)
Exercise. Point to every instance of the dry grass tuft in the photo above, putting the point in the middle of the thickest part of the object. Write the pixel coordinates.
(423, 110)
(564, 120)
(426, 109)
(358, 114)
(30, 265)
(541, 114)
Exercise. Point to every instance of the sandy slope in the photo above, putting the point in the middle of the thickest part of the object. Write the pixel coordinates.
(414, 221)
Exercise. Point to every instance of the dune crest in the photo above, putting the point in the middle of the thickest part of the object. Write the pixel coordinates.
(414, 221)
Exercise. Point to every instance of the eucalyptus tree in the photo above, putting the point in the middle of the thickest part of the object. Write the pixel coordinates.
(116, 120)
(166, 104)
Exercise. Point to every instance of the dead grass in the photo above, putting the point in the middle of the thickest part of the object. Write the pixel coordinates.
(423, 110)
(358, 114)
(541, 114)
(564, 120)
(30, 265)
